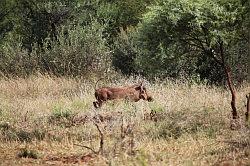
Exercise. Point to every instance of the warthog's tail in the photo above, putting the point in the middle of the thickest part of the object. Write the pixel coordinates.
(97, 82)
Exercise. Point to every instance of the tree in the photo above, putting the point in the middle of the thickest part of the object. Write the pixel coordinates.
(7, 19)
(193, 28)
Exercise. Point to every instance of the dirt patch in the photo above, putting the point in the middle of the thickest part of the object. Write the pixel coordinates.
(72, 159)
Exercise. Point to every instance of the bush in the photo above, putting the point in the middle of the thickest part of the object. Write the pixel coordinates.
(14, 60)
(26, 153)
(75, 51)
(124, 53)
(135, 52)
(10, 133)
(62, 117)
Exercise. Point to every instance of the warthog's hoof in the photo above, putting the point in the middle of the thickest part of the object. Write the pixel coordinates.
(95, 104)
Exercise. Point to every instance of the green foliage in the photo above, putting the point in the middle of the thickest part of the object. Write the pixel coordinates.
(15, 134)
(61, 117)
(59, 113)
(121, 14)
(6, 22)
(76, 51)
(14, 59)
(124, 52)
(161, 38)
(185, 35)
(157, 108)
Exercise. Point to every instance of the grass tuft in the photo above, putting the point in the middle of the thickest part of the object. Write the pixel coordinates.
(26, 153)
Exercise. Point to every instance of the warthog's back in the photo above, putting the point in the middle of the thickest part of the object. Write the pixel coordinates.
(107, 93)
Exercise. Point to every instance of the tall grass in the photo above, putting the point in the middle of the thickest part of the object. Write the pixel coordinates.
(50, 117)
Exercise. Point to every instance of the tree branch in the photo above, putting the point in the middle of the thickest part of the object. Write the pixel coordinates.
(198, 40)
(215, 58)
(83, 146)
(101, 142)
(191, 44)
(101, 139)
(248, 107)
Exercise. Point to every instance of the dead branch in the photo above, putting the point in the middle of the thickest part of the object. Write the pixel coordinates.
(132, 143)
(101, 141)
(248, 107)
(83, 146)
(122, 130)
(26, 116)
(127, 131)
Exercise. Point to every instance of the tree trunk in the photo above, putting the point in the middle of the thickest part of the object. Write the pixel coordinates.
(229, 82)
(233, 92)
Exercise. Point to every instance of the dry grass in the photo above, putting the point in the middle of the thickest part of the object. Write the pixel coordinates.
(42, 118)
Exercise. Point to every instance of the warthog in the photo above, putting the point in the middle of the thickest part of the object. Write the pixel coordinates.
(132, 93)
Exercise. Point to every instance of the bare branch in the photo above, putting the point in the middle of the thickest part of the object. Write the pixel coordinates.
(83, 146)
(191, 43)
(198, 40)
(101, 139)
(248, 107)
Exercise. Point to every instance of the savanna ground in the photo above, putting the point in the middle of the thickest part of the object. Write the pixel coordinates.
(47, 121)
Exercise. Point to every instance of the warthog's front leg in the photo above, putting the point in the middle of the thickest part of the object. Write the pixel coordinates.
(97, 104)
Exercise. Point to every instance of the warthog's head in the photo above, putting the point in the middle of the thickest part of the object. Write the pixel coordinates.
(143, 94)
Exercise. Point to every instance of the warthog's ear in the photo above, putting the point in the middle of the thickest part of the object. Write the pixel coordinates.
(139, 87)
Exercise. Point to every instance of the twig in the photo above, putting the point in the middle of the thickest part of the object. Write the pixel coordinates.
(248, 107)
(83, 146)
(101, 138)
(122, 130)
(132, 143)
(25, 116)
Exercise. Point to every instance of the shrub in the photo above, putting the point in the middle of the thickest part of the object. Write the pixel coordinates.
(124, 53)
(10, 133)
(26, 153)
(14, 60)
(77, 50)
(62, 117)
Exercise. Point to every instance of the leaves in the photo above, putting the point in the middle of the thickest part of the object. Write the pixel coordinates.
(165, 38)
(194, 27)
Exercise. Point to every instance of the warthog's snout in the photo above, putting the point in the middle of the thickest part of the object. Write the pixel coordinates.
(132, 93)
(150, 99)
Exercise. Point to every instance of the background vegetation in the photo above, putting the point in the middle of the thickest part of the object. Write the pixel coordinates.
(152, 38)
